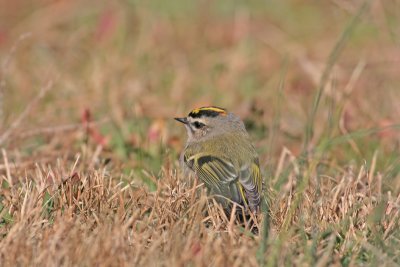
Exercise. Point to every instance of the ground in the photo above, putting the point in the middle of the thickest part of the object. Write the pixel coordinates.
(89, 162)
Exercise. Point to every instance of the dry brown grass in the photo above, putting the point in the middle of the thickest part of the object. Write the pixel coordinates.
(97, 219)
(71, 216)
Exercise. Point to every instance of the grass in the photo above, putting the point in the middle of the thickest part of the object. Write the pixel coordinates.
(89, 168)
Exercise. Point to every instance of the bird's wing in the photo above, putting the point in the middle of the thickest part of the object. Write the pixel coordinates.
(243, 187)
(213, 171)
(221, 178)
(250, 181)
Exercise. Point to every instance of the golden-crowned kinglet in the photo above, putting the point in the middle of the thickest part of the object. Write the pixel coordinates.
(219, 152)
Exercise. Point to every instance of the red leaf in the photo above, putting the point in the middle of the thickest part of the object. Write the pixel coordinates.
(93, 132)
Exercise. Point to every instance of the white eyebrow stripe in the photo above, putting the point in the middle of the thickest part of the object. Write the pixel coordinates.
(193, 120)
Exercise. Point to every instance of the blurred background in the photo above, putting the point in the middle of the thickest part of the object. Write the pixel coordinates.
(109, 76)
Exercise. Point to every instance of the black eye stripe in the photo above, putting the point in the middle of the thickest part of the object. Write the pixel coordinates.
(198, 124)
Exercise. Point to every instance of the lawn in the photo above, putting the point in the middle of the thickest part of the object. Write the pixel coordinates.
(89, 160)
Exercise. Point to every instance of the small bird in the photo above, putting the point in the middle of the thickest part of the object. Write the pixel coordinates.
(219, 152)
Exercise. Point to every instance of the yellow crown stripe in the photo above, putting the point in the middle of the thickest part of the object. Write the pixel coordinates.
(219, 110)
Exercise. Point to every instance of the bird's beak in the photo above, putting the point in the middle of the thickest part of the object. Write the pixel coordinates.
(183, 120)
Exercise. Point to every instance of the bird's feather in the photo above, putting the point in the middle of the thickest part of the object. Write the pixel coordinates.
(242, 185)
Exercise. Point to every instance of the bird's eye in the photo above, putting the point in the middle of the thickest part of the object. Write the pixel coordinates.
(198, 124)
